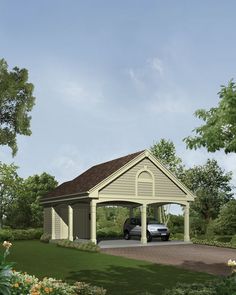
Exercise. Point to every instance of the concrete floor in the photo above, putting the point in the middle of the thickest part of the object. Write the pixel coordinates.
(110, 244)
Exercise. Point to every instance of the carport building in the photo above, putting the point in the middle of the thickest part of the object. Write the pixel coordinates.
(136, 180)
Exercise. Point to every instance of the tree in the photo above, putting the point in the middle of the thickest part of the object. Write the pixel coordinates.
(16, 101)
(212, 187)
(219, 130)
(165, 151)
(10, 184)
(26, 210)
(226, 221)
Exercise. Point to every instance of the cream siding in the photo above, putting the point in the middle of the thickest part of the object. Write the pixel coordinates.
(126, 183)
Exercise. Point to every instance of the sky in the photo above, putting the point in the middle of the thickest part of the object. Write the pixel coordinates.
(113, 77)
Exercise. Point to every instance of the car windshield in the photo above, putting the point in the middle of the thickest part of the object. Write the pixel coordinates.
(152, 221)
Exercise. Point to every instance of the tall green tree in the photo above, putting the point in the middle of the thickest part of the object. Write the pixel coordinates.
(16, 101)
(10, 185)
(165, 151)
(211, 185)
(226, 221)
(219, 128)
(26, 210)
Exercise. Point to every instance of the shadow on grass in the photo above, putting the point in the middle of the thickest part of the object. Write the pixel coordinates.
(220, 269)
(143, 279)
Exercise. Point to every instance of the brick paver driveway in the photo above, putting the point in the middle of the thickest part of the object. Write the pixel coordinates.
(194, 257)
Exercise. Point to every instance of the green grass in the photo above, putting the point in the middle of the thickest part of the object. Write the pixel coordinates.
(117, 274)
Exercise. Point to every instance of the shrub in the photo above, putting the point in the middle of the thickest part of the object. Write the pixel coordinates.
(212, 243)
(45, 238)
(23, 284)
(225, 286)
(224, 239)
(233, 241)
(177, 236)
(20, 234)
(108, 233)
(89, 246)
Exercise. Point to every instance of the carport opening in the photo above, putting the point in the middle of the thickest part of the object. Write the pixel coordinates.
(111, 218)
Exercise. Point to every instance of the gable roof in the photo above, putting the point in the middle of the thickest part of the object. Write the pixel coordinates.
(90, 178)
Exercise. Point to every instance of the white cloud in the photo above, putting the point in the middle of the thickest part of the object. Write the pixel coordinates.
(67, 162)
(157, 65)
(79, 95)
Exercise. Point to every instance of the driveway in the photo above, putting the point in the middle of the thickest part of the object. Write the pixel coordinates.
(201, 258)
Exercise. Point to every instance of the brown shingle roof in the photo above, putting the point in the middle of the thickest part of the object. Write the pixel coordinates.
(90, 178)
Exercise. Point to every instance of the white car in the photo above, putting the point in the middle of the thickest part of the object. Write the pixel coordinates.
(132, 227)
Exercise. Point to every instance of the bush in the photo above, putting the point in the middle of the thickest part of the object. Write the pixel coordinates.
(224, 239)
(89, 246)
(20, 234)
(225, 286)
(177, 236)
(212, 243)
(23, 284)
(233, 241)
(108, 233)
(45, 238)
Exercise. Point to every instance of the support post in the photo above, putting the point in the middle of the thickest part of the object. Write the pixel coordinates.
(70, 223)
(144, 224)
(186, 223)
(93, 237)
(53, 236)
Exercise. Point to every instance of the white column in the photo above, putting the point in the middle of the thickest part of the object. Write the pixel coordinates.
(186, 223)
(53, 223)
(93, 237)
(70, 223)
(144, 224)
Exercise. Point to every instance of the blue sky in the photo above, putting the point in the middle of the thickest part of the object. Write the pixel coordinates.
(112, 77)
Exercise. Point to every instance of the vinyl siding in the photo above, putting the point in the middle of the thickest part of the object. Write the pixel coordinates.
(126, 183)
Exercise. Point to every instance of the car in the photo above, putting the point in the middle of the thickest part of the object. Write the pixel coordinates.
(132, 227)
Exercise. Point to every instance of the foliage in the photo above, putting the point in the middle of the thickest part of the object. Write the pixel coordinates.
(10, 185)
(226, 221)
(26, 211)
(212, 243)
(109, 233)
(177, 236)
(176, 224)
(224, 239)
(5, 271)
(211, 185)
(24, 284)
(219, 129)
(222, 286)
(45, 238)
(89, 246)
(165, 151)
(20, 234)
(16, 101)
(233, 241)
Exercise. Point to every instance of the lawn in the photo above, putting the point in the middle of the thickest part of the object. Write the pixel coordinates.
(117, 274)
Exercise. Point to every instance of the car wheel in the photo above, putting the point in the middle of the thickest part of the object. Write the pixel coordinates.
(165, 238)
(149, 236)
(126, 235)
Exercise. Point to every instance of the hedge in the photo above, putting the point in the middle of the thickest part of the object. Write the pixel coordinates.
(20, 234)
(89, 246)
(213, 243)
